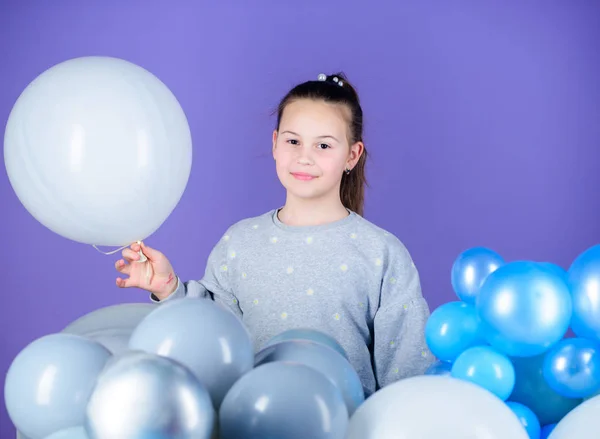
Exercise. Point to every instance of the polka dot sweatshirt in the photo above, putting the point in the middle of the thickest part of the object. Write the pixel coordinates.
(349, 279)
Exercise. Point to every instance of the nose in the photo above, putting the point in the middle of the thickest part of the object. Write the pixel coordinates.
(304, 156)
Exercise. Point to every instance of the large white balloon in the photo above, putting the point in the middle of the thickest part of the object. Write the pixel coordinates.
(434, 406)
(583, 422)
(98, 150)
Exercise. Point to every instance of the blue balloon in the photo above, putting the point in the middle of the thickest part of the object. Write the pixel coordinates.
(70, 433)
(487, 368)
(323, 359)
(528, 419)
(584, 280)
(556, 269)
(49, 382)
(470, 270)
(524, 309)
(593, 395)
(572, 367)
(452, 328)
(439, 368)
(532, 390)
(283, 400)
(546, 430)
(308, 334)
(205, 337)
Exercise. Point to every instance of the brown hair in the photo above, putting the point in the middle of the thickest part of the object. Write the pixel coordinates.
(352, 189)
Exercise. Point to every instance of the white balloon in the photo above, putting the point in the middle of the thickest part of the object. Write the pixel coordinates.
(98, 150)
(432, 406)
(111, 326)
(125, 316)
(583, 422)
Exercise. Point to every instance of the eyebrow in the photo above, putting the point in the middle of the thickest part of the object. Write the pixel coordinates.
(326, 136)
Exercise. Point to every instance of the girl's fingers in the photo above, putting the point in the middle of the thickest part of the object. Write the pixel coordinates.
(125, 283)
(129, 255)
(123, 267)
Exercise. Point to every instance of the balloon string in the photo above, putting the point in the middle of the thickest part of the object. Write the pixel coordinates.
(143, 258)
(109, 253)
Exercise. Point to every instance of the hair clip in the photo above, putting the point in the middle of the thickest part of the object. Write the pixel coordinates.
(323, 77)
(338, 81)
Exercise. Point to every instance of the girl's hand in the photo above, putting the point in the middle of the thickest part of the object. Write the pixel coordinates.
(155, 275)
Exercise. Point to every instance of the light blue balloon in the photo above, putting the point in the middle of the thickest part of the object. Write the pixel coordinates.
(70, 433)
(203, 336)
(584, 280)
(572, 367)
(524, 309)
(487, 368)
(556, 269)
(546, 430)
(49, 382)
(283, 400)
(323, 359)
(528, 419)
(308, 334)
(532, 390)
(452, 328)
(470, 269)
(439, 368)
(146, 396)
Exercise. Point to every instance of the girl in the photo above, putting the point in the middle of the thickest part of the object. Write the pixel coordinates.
(315, 262)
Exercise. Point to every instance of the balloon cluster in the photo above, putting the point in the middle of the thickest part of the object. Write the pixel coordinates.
(508, 334)
(189, 371)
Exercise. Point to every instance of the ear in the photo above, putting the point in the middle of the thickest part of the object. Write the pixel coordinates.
(356, 152)
(274, 142)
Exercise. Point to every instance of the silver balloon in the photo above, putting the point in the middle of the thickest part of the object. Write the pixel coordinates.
(141, 395)
(111, 326)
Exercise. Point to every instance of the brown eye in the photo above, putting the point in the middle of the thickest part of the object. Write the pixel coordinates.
(324, 146)
(293, 142)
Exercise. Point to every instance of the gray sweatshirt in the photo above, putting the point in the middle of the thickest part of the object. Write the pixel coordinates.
(349, 279)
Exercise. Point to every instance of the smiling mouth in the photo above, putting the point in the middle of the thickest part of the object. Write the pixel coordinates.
(303, 176)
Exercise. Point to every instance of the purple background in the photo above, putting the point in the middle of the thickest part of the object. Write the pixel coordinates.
(483, 121)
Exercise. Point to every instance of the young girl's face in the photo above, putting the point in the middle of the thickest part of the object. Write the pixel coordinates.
(311, 148)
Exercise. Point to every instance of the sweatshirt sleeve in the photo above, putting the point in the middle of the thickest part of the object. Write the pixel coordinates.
(215, 285)
(400, 350)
